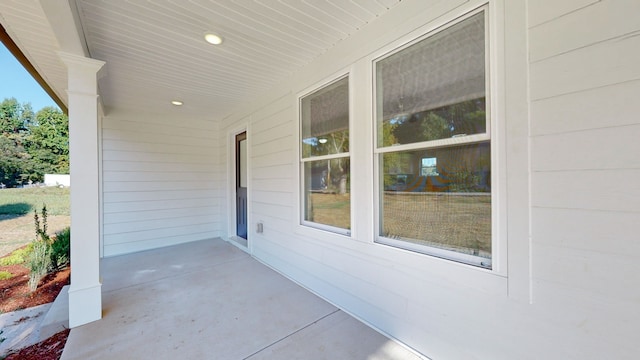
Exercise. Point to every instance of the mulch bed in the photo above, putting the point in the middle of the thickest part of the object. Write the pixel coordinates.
(15, 295)
(49, 349)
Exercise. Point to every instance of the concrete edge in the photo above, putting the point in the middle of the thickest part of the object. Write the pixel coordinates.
(57, 318)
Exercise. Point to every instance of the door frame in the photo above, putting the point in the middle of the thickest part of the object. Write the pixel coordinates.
(231, 185)
(241, 191)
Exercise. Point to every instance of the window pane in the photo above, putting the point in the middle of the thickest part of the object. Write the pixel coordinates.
(327, 192)
(434, 89)
(439, 198)
(242, 168)
(325, 120)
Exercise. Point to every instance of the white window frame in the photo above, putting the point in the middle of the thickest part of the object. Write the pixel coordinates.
(301, 203)
(492, 135)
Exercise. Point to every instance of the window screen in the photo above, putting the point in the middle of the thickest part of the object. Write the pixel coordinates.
(325, 161)
(435, 191)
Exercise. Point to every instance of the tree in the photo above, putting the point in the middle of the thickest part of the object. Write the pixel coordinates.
(14, 161)
(31, 144)
(14, 117)
(48, 141)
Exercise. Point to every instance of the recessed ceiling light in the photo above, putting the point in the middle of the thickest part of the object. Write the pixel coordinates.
(176, 102)
(212, 38)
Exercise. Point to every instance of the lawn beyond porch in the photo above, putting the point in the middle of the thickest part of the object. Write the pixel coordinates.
(210, 300)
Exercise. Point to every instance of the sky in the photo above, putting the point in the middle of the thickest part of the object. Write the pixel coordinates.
(16, 82)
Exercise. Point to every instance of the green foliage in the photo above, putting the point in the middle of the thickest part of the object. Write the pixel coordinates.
(15, 162)
(41, 227)
(22, 201)
(464, 180)
(48, 142)
(61, 249)
(435, 127)
(31, 144)
(39, 262)
(14, 117)
(40, 257)
(5, 275)
(18, 256)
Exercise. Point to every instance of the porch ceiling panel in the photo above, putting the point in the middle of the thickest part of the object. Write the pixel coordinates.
(155, 50)
(26, 24)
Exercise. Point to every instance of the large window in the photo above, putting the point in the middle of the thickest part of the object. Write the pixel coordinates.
(325, 167)
(433, 145)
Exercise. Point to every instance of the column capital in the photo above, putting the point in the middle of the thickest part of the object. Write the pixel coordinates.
(82, 73)
(74, 60)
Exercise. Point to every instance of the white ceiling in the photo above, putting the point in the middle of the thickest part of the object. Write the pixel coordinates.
(155, 50)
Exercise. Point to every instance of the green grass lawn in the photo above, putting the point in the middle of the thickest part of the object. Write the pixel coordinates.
(16, 214)
(458, 222)
(25, 201)
(453, 221)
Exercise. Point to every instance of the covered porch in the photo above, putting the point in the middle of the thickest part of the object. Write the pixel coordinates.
(210, 300)
(161, 121)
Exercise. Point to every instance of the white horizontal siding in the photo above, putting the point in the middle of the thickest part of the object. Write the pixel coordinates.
(540, 12)
(161, 182)
(273, 172)
(609, 232)
(160, 214)
(157, 176)
(157, 233)
(272, 197)
(283, 212)
(273, 158)
(123, 145)
(129, 186)
(579, 314)
(587, 150)
(176, 221)
(280, 132)
(601, 64)
(142, 165)
(586, 109)
(590, 23)
(157, 139)
(596, 272)
(115, 155)
(156, 242)
(150, 205)
(585, 172)
(153, 196)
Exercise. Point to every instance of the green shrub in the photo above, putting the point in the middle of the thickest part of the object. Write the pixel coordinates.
(18, 256)
(39, 262)
(40, 257)
(4, 275)
(41, 228)
(61, 249)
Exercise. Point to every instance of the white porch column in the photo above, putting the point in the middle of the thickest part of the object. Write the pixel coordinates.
(85, 292)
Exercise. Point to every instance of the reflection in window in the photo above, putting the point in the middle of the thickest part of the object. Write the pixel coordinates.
(429, 167)
(327, 186)
(434, 89)
(435, 193)
(445, 204)
(325, 165)
(325, 120)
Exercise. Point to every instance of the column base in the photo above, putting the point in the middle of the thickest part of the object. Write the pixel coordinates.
(85, 305)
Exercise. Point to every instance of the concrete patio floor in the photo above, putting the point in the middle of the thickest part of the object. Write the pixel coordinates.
(211, 300)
